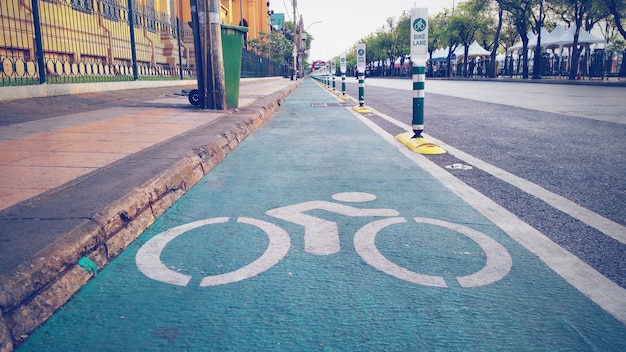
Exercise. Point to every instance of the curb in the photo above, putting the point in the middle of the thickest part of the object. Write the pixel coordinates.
(39, 288)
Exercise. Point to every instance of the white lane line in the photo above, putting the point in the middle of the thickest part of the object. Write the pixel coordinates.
(608, 295)
(595, 220)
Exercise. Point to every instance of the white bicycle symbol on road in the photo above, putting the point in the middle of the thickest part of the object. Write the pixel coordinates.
(321, 237)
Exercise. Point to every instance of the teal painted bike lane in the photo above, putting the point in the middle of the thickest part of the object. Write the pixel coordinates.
(316, 234)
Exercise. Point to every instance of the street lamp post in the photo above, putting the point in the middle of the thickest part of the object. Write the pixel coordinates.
(309, 26)
(304, 37)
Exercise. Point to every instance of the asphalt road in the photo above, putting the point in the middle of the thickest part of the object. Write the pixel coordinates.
(554, 155)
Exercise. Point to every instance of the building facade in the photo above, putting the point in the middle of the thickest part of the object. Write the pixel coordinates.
(106, 40)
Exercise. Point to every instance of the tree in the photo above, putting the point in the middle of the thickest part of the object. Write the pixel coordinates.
(436, 37)
(274, 46)
(496, 42)
(539, 20)
(404, 36)
(441, 34)
(581, 14)
(463, 25)
(466, 22)
(617, 8)
(520, 11)
(377, 46)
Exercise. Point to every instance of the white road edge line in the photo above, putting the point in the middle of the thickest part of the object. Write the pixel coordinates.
(608, 295)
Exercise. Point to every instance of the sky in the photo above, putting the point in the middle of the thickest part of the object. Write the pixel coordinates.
(342, 23)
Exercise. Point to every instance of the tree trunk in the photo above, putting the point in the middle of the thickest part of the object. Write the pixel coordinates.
(465, 62)
(537, 56)
(622, 68)
(575, 55)
(494, 51)
(525, 56)
(615, 11)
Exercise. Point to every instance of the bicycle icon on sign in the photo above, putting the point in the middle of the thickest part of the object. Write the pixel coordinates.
(321, 237)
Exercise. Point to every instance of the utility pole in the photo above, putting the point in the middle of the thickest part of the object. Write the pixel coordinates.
(295, 43)
(209, 57)
(301, 47)
(215, 34)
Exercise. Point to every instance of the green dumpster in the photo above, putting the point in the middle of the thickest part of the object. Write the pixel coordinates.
(232, 44)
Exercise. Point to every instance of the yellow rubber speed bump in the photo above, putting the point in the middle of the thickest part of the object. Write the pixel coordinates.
(361, 109)
(419, 145)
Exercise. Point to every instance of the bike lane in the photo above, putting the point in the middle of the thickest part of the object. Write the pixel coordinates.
(317, 234)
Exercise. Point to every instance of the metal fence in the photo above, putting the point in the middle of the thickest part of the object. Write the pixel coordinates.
(74, 41)
(253, 65)
(70, 41)
(597, 65)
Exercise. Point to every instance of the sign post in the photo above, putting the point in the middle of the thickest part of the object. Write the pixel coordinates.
(342, 68)
(360, 67)
(419, 55)
(327, 81)
(333, 69)
(327, 76)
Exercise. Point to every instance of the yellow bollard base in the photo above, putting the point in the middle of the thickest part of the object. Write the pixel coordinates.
(361, 109)
(419, 145)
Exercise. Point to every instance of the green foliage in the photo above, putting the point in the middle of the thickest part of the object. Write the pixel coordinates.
(274, 45)
(278, 45)
(616, 44)
(478, 20)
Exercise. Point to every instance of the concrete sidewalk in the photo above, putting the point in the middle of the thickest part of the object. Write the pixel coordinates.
(76, 189)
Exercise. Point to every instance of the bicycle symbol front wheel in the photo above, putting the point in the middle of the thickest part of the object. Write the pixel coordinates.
(497, 266)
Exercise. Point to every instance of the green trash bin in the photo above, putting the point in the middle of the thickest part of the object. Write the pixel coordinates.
(232, 45)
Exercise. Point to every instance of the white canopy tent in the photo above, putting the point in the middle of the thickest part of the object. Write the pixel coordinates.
(532, 43)
(441, 54)
(474, 50)
(566, 39)
(519, 45)
(565, 43)
(559, 42)
(549, 42)
(558, 38)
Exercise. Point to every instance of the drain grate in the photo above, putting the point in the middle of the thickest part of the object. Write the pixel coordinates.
(330, 105)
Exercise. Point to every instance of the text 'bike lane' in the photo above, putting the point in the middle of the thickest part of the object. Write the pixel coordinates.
(317, 234)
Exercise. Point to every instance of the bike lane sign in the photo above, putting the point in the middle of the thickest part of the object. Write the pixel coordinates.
(308, 249)
(342, 62)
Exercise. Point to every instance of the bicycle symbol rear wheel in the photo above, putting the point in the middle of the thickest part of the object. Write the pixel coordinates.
(148, 258)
